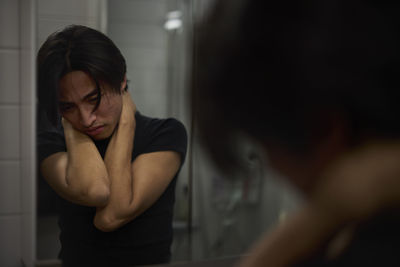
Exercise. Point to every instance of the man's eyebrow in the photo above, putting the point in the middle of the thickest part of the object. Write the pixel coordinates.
(91, 94)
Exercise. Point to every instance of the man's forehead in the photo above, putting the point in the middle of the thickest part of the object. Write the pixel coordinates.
(77, 84)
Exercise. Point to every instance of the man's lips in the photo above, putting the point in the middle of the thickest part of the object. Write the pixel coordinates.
(95, 130)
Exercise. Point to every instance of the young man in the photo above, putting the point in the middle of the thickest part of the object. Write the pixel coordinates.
(115, 168)
(316, 85)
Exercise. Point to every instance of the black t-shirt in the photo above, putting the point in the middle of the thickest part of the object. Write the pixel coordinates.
(144, 240)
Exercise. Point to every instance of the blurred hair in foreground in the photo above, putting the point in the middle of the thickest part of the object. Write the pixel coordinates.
(316, 84)
(288, 72)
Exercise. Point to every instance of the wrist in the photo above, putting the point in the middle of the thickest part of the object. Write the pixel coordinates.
(127, 123)
(73, 136)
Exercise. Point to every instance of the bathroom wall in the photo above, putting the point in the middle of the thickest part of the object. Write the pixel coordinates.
(17, 29)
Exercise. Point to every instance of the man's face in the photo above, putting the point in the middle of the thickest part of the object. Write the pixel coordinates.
(77, 101)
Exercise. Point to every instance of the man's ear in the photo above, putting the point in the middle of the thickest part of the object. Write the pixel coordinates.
(123, 84)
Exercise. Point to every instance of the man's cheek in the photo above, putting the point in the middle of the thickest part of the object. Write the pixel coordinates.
(74, 124)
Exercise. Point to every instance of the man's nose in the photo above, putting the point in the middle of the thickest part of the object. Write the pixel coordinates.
(88, 116)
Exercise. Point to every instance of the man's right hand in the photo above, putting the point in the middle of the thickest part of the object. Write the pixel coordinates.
(66, 124)
(128, 109)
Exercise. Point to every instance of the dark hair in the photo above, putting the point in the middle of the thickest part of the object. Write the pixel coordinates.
(281, 72)
(75, 48)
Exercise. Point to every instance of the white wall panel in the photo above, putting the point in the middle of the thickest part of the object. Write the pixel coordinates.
(10, 197)
(137, 11)
(27, 63)
(9, 76)
(10, 241)
(9, 23)
(136, 27)
(71, 8)
(139, 35)
(10, 193)
(147, 79)
(47, 26)
(150, 103)
(10, 132)
(54, 15)
(143, 57)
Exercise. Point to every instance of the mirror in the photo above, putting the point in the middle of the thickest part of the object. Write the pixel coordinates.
(214, 217)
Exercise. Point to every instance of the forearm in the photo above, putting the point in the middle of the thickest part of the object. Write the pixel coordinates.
(86, 174)
(118, 163)
(355, 187)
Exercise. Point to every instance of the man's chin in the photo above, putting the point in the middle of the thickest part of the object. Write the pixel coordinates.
(101, 136)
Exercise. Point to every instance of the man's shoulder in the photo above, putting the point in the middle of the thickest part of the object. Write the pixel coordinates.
(152, 125)
(49, 140)
(158, 134)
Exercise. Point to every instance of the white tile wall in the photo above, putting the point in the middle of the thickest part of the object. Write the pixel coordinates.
(10, 132)
(10, 187)
(9, 76)
(47, 26)
(70, 10)
(9, 24)
(10, 252)
(27, 127)
(12, 49)
(54, 15)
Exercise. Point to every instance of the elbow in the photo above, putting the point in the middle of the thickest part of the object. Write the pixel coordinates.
(108, 219)
(99, 194)
(105, 223)
(93, 193)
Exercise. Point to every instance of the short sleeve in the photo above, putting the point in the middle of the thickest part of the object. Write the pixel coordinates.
(161, 135)
(49, 141)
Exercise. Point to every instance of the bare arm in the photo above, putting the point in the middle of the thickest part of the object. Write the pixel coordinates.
(357, 186)
(134, 186)
(293, 240)
(78, 175)
(151, 174)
